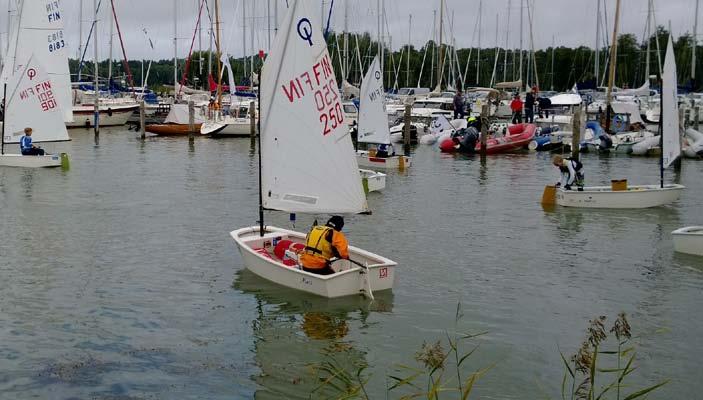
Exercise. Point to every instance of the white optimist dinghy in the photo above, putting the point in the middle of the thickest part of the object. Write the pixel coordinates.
(642, 196)
(373, 122)
(372, 181)
(689, 240)
(37, 85)
(307, 164)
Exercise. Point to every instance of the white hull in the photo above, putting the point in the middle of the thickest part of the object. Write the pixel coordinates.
(643, 196)
(236, 127)
(83, 116)
(18, 160)
(376, 181)
(689, 240)
(349, 280)
(365, 161)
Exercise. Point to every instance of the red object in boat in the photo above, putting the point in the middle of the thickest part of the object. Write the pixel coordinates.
(171, 129)
(282, 246)
(517, 138)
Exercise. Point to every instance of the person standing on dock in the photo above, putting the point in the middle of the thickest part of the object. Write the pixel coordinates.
(322, 244)
(459, 105)
(26, 146)
(530, 99)
(571, 172)
(516, 107)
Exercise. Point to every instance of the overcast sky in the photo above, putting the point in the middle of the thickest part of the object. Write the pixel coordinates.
(567, 22)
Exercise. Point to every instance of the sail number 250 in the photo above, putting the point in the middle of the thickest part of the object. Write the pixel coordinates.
(327, 102)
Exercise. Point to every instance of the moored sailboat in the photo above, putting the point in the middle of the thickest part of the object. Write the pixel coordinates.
(306, 165)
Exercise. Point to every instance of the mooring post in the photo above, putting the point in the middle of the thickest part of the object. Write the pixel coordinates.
(252, 119)
(191, 120)
(697, 115)
(142, 120)
(576, 134)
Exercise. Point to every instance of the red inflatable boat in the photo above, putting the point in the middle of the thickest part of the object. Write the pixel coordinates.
(517, 137)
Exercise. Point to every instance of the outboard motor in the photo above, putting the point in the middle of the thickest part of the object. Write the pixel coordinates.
(605, 141)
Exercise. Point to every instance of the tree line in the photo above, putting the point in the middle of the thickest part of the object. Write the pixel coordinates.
(556, 68)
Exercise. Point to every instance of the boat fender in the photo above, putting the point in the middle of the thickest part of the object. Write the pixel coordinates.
(109, 112)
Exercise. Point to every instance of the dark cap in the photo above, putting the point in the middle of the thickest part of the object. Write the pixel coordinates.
(336, 222)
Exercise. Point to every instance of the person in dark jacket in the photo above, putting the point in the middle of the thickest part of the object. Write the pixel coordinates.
(459, 105)
(544, 105)
(530, 99)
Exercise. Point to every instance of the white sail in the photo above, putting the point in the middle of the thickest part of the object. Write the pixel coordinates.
(32, 103)
(671, 143)
(373, 120)
(308, 163)
(40, 33)
(8, 60)
(230, 75)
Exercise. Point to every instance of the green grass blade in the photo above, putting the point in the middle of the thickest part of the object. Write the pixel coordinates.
(646, 390)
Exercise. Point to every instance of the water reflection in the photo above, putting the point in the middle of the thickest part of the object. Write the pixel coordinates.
(295, 333)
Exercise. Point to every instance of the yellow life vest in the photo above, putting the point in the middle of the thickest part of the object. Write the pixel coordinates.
(318, 242)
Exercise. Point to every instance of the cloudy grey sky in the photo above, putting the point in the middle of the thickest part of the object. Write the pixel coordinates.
(567, 22)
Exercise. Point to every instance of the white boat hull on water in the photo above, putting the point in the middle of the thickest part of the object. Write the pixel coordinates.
(689, 240)
(232, 127)
(18, 160)
(349, 280)
(367, 161)
(113, 115)
(643, 196)
(375, 181)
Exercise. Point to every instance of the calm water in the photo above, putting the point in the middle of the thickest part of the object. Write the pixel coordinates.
(119, 279)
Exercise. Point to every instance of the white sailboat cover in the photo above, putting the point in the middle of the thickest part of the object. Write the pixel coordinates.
(373, 120)
(671, 142)
(308, 162)
(40, 34)
(32, 103)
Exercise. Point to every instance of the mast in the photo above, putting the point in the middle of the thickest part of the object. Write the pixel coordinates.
(656, 35)
(532, 43)
(345, 62)
(507, 36)
(112, 34)
(251, 40)
(478, 56)
(521, 30)
(613, 62)
(440, 62)
(244, 39)
(596, 64)
(200, 47)
(4, 99)
(695, 44)
(494, 74)
(434, 44)
(219, 53)
(410, 28)
(268, 22)
(552, 73)
(80, 34)
(96, 109)
(175, 47)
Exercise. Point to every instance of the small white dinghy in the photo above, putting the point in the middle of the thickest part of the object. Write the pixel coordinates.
(372, 181)
(296, 180)
(373, 122)
(689, 240)
(619, 195)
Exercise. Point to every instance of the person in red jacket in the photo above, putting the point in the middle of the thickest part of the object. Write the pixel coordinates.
(516, 107)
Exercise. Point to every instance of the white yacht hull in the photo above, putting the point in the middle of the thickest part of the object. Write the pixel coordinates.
(117, 115)
(349, 280)
(689, 240)
(643, 196)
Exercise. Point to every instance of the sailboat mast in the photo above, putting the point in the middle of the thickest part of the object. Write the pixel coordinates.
(478, 55)
(96, 109)
(649, 42)
(112, 34)
(175, 46)
(532, 42)
(440, 62)
(613, 55)
(596, 64)
(4, 99)
(507, 36)
(244, 38)
(521, 30)
(434, 44)
(410, 28)
(80, 34)
(219, 53)
(345, 63)
(695, 44)
(552, 72)
(251, 40)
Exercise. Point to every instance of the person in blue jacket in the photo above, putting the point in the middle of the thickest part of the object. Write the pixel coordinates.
(26, 146)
